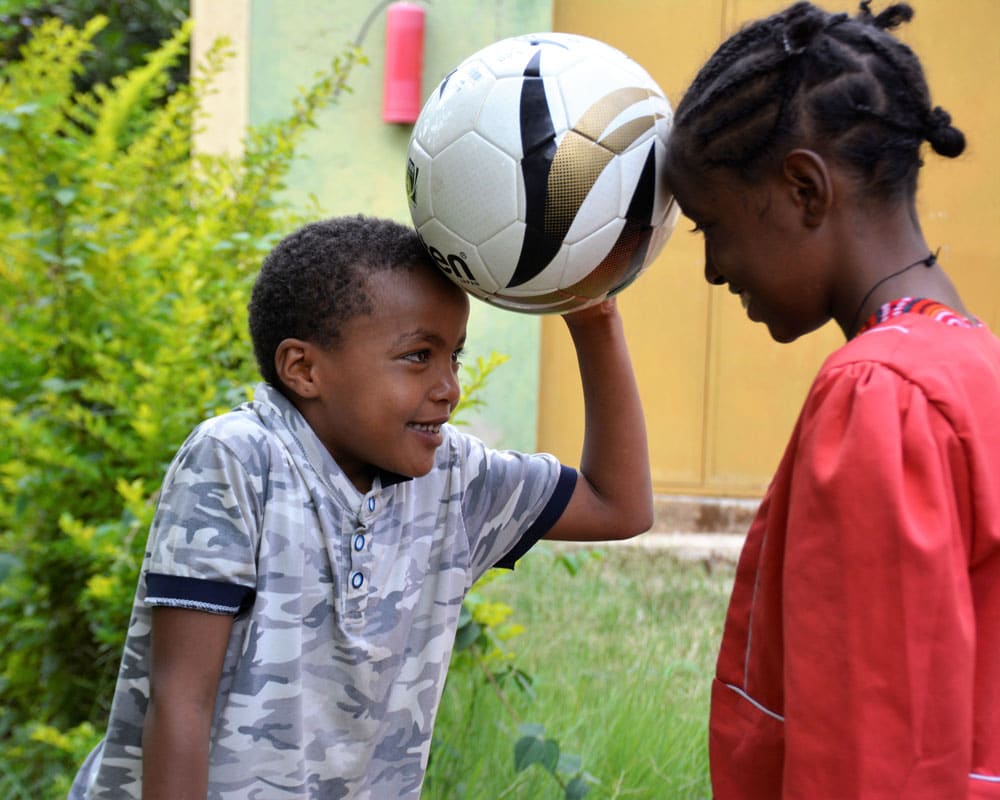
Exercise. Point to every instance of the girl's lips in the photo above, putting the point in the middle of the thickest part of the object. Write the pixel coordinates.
(744, 295)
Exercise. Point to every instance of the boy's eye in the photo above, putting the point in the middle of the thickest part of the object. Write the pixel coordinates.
(457, 355)
(418, 357)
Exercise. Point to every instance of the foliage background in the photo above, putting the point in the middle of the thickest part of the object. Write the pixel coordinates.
(127, 264)
(134, 29)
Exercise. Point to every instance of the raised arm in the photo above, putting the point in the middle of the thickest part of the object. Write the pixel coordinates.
(188, 651)
(613, 496)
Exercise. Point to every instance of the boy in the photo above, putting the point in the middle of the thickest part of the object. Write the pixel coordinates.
(312, 548)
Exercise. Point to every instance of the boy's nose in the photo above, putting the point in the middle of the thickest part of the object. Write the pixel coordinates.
(448, 388)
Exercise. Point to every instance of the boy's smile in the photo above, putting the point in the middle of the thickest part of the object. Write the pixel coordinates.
(384, 390)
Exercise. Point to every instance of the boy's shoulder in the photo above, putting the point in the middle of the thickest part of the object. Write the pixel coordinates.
(241, 435)
(484, 468)
(239, 428)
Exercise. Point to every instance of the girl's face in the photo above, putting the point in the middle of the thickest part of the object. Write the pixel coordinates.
(759, 243)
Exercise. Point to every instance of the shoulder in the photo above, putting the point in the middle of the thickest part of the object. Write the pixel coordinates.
(921, 348)
(472, 455)
(929, 353)
(955, 369)
(238, 437)
(468, 470)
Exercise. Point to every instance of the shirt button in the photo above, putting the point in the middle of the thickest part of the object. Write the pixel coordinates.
(371, 503)
(359, 542)
(357, 579)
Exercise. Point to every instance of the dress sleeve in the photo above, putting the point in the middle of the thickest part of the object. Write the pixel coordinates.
(202, 542)
(877, 612)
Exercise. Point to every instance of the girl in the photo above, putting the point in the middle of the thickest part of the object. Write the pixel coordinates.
(860, 655)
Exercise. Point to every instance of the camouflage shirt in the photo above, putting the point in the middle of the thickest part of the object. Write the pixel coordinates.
(345, 604)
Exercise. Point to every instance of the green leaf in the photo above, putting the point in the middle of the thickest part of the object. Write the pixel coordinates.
(467, 635)
(573, 561)
(533, 750)
(576, 789)
(8, 562)
(570, 764)
(524, 682)
(65, 197)
(60, 386)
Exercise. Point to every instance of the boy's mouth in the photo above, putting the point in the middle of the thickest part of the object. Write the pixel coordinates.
(426, 427)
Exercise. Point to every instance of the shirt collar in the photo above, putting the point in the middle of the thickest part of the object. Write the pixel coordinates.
(297, 434)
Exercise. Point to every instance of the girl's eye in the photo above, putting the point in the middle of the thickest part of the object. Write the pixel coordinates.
(419, 357)
(456, 357)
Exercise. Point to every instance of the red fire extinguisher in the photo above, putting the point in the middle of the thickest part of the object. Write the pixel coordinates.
(404, 56)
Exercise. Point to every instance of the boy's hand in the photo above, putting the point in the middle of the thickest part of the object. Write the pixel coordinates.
(613, 498)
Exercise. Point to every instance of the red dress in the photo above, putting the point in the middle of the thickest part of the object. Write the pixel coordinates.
(861, 653)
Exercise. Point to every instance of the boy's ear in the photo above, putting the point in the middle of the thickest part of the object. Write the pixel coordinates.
(293, 361)
(810, 183)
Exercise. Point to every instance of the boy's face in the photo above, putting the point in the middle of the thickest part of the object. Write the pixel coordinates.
(391, 381)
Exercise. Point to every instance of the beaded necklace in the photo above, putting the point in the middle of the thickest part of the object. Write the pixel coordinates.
(919, 305)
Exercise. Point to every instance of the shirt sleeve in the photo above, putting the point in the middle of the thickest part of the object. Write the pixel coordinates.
(202, 542)
(877, 611)
(550, 514)
(510, 500)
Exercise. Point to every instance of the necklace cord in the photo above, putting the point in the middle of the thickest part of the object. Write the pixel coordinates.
(928, 261)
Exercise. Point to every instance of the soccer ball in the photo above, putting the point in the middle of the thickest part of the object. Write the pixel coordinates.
(534, 173)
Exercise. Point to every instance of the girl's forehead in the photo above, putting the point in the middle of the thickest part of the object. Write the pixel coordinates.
(691, 185)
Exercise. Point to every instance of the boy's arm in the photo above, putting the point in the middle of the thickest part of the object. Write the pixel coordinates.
(613, 498)
(188, 650)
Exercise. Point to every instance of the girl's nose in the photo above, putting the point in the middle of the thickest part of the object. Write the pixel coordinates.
(711, 275)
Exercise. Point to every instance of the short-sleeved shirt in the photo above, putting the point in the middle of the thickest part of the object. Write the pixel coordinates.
(345, 603)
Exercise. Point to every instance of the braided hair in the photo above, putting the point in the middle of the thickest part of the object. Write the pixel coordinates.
(805, 77)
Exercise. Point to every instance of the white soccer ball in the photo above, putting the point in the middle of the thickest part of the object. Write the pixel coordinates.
(534, 173)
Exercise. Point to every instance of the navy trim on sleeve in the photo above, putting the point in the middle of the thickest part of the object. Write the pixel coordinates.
(550, 514)
(198, 594)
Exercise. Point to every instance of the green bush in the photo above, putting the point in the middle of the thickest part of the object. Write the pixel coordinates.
(135, 27)
(126, 266)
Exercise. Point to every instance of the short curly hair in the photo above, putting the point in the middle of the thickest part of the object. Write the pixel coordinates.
(313, 281)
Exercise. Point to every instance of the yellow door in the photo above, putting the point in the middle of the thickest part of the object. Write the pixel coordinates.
(720, 396)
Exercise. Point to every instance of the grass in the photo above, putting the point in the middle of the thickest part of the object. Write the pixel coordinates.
(621, 655)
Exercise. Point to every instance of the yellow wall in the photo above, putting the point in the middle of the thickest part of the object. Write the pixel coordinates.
(720, 396)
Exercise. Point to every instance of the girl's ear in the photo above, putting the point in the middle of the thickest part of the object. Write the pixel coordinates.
(810, 183)
(293, 361)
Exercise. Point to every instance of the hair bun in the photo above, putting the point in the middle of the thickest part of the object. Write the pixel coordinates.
(893, 16)
(946, 139)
